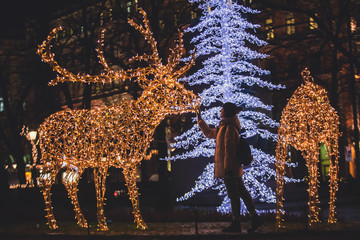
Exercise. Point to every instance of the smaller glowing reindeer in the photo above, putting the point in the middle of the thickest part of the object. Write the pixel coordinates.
(307, 121)
(117, 135)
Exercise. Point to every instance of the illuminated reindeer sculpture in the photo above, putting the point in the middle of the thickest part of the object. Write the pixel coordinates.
(307, 121)
(117, 135)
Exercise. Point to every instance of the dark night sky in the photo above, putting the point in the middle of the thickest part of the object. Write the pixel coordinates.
(13, 13)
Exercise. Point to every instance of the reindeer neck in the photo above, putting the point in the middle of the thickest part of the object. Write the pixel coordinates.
(153, 111)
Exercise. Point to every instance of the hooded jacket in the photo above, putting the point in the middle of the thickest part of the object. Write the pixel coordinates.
(227, 137)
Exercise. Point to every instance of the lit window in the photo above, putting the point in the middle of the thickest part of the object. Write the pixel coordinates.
(269, 29)
(136, 4)
(176, 18)
(101, 19)
(290, 24)
(128, 7)
(353, 25)
(1, 104)
(117, 52)
(312, 24)
(192, 14)
(357, 46)
(324, 161)
(161, 24)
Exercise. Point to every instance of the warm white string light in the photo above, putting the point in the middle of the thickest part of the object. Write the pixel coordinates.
(118, 135)
(307, 121)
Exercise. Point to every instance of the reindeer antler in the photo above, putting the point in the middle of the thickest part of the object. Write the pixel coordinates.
(100, 52)
(44, 50)
(148, 35)
(132, 73)
(141, 74)
(174, 58)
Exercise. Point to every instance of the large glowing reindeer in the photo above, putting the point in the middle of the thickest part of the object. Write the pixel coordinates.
(117, 135)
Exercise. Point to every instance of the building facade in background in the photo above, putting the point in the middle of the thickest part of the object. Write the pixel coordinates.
(324, 37)
(313, 34)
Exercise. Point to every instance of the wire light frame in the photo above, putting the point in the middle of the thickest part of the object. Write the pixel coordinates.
(307, 121)
(113, 136)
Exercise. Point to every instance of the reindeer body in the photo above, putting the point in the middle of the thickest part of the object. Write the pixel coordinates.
(307, 121)
(75, 136)
(118, 135)
(99, 139)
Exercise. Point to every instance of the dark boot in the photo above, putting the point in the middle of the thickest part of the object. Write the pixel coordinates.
(256, 222)
(233, 227)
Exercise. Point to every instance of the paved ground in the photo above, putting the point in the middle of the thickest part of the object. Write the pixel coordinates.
(27, 221)
(206, 230)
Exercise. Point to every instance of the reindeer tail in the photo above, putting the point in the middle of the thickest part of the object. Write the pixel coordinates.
(34, 152)
(151, 153)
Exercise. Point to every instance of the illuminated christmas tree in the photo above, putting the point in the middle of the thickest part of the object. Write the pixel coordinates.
(222, 39)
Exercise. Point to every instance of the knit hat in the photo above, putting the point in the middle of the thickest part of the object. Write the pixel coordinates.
(231, 109)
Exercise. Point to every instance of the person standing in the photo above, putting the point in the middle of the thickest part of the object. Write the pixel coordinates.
(227, 166)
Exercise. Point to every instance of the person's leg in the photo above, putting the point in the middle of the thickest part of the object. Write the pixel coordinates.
(231, 184)
(256, 221)
(246, 197)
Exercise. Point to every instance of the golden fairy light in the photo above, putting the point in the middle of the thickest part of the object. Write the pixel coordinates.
(31, 136)
(44, 50)
(118, 135)
(307, 121)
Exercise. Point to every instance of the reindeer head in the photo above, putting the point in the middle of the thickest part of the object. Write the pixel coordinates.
(159, 81)
(168, 96)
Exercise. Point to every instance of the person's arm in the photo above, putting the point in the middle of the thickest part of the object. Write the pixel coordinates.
(208, 131)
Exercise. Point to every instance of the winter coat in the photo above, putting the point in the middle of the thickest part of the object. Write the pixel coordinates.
(226, 135)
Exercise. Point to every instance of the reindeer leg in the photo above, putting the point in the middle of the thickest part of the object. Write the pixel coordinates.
(100, 178)
(130, 178)
(280, 173)
(312, 164)
(333, 183)
(71, 181)
(46, 180)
